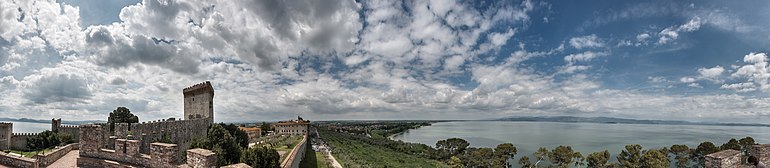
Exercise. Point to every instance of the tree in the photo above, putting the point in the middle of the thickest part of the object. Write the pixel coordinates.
(481, 157)
(746, 145)
(524, 162)
(264, 127)
(681, 155)
(47, 139)
(598, 159)
(731, 144)
(506, 151)
(540, 154)
(240, 136)
(705, 148)
(451, 147)
(165, 139)
(563, 156)
(455, 162)
(655, 158)
(261, 157)
(631, 156)
(121, 115)
(222, 143)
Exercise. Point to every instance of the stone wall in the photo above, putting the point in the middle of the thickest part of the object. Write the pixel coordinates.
(17, 161)
(6, 131)
(296, 155)
(199, 101)
(19, 140)
(46, 159)
(761, 151)
(181, 132)
(201, 158)
(72, 130)
(724, 159)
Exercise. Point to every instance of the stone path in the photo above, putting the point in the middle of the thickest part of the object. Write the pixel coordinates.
(67, 161)
(334, 161)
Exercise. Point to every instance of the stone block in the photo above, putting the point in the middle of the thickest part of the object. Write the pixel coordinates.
(724, 159)
(164, 153)
(201, 158)
(762, 152)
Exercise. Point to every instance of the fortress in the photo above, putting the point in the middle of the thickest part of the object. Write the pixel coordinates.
(138, 144)
(18, 141)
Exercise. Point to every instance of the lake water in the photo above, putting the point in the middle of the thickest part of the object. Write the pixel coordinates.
(29, 127)
(583, 137)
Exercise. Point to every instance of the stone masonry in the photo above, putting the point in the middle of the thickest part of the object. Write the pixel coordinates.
(761, 151)
(725, 158)
(135, 145)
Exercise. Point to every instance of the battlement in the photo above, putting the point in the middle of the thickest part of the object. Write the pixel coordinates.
(204, 87)
(5, 124)
(24, 134)
(69, 126)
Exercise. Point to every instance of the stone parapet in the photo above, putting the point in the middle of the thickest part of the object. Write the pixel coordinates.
(724, 159)
(201, 158)
(163, 153)
(762, 152)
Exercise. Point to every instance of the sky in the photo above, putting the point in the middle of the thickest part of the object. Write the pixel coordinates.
(338, 60)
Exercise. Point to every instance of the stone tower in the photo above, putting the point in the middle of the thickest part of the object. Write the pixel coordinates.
(199, 101)
(55, 124)
(6, 131)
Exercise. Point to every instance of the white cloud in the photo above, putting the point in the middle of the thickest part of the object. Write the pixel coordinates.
(740, 87)
(589, 41)
(687, 79)
(584, 56)
(672, 33)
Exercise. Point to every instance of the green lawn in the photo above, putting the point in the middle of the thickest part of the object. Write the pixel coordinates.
(354, 153)
(314, 159)
(31, 153)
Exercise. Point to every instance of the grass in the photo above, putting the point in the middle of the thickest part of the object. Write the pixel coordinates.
(353, 153)
(31, 153)
(314, 159)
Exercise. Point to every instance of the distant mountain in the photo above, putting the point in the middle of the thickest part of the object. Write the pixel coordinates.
(611, 120)
(49, 121)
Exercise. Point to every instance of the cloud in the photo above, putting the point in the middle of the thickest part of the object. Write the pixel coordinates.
(687, 79)
(740, 87)
(672, 33)
(57, 88)
(584, 56)
(589, 41)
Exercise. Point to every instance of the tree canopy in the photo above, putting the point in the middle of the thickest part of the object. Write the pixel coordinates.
(121, 115)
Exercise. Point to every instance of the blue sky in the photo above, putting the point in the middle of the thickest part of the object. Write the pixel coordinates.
(271, 60)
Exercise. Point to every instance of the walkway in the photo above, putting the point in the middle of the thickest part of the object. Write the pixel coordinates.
(67, 161)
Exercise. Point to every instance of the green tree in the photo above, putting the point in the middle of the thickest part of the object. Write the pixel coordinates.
(455, 162)
(261, 157)
(631, 156)
(746, 145)
(655, 158)
(121, 115)
(705, 148)
(524, 162)
(598, 159)
(506, 151)
(166, 138)
(264, 127)
(240, 136)
(481, 157)
(731, 144)
(221, 142)
(44, 140)
(540, 154)
(563, 156)
(681, 154)
(451, 147)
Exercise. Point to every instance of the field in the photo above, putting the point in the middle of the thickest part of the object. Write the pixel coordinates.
(354, 153)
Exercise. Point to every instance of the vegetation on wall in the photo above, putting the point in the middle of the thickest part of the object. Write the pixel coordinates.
(231, 146)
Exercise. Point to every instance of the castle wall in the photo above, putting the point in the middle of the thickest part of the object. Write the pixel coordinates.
(72, 130)
(17, 161)
(19, 140)
(762, 152)
(296, 155)
(45, 159)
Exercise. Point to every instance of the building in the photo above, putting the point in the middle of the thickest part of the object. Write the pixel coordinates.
(292, 127)
(137, 144)
(199, 101)
(253, 132)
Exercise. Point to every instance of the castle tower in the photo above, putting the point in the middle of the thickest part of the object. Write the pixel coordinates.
(199, 101)
(55, 124)
(6, 131)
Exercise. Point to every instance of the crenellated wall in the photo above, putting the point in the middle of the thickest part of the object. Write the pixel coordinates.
(19, 140)
(296, 155)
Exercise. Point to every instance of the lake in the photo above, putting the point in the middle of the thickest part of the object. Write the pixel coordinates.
(583, 137)
(29, 127)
